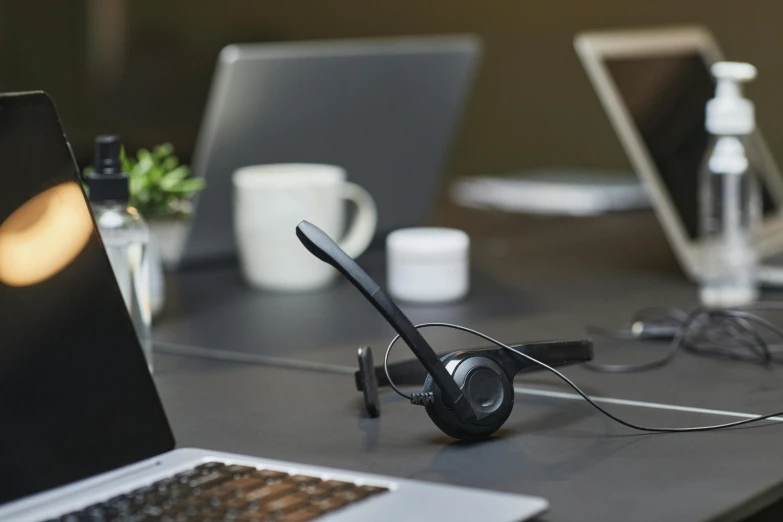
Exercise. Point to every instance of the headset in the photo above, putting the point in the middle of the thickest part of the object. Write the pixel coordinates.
(468, 394)
(369, 379)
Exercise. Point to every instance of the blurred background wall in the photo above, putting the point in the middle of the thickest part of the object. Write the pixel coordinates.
(142, 68)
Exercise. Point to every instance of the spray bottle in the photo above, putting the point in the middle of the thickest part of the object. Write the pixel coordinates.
(125, 235)
(730, 199)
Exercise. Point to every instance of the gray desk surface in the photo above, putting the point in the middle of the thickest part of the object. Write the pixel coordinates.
(598, 271)
(549, 280)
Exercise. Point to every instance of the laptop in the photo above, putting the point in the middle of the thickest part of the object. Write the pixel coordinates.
(84, 435)
(654, 85)
(384, 109)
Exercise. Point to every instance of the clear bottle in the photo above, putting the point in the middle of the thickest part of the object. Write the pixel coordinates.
(730, 199)
(125, 235)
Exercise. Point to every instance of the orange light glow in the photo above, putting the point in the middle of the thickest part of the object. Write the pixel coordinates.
(44, 235)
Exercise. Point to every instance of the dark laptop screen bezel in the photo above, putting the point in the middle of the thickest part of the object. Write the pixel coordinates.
(76, 397)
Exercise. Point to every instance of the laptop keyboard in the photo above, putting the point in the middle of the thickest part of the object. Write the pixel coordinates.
(215, 492)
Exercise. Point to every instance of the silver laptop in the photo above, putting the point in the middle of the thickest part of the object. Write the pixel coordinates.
(384, 109)
(84, 435)
(654, 85)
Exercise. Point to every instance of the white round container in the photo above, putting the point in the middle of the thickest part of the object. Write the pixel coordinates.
(428, 265)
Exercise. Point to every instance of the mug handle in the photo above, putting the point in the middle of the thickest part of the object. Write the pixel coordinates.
(362, 229)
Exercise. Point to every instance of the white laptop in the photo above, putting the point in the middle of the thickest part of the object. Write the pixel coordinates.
(654, 85)
(84, 435)
(385, 109)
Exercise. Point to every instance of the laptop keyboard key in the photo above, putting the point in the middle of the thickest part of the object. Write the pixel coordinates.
(211, 479)
(316, 492)
(268, 492)
(330, 504)
(336, 485)
(239, 471)
(351, 495)
(109, 512)
(287, 502)
(235, 487)
(271, 476)
(304, 480)
(207, 467)
(373, 490)
(97, 514)
(186, 476)
(152, 511)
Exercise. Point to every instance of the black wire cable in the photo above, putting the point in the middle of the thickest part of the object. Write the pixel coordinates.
(668, 357)
(740, 331)
(734, 334)
(570, 383)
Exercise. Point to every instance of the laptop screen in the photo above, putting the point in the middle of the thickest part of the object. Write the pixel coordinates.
(76, 398)
(666, 97)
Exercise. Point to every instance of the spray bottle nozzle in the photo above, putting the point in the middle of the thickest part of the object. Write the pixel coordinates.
(730, 76)
(107, 154)
(738, 71)
(108, 182)
(729, 112)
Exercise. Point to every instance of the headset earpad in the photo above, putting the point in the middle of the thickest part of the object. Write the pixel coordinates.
(488, 390)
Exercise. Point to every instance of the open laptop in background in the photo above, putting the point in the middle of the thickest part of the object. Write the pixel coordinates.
(654, 85)
(384, 109)
(84, 435)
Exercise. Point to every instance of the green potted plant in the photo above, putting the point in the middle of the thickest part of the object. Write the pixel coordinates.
(160, 187)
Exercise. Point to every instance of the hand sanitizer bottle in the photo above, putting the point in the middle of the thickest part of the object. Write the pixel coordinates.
(125, 235)
(730, 200)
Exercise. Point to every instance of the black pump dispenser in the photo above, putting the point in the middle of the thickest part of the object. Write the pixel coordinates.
(108, 183)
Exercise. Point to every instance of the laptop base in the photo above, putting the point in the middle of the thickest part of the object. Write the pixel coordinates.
(404, 500)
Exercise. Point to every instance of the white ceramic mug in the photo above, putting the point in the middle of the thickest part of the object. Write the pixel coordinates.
(270, 200)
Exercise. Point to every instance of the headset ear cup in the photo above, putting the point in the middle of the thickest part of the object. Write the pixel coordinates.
(445, 419)
(450, 424)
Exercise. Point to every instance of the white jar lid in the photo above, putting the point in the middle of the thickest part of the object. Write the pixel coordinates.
(428, 265)
(428, 244)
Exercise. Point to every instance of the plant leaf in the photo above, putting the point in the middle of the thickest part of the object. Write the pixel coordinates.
(172, 178)
(155, 174)
(136, 185)
(126, 162)
(146, 162)
(169, 163)
(163, 150)
(188, 186)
